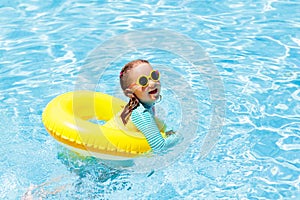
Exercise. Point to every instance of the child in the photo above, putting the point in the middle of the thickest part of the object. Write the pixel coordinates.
(141, 84)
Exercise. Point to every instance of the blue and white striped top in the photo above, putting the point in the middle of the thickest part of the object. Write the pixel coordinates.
(143, 118)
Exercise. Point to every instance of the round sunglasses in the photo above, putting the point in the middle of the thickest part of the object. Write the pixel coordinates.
(143, 80)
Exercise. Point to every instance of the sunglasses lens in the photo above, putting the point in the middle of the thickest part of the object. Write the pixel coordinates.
(143, 81)
(155, 75)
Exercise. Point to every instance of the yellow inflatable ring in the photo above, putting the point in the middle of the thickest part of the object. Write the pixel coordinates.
(67, 117)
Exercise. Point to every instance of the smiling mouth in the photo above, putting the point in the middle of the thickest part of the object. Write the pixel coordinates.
(153, 91)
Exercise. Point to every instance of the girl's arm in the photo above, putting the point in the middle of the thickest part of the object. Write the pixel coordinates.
(145, 122)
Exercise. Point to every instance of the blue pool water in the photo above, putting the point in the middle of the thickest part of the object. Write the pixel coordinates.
(254, 45)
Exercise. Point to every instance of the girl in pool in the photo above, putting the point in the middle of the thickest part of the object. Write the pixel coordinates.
(141, 84)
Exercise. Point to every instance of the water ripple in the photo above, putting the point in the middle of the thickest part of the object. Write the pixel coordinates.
(255, 46)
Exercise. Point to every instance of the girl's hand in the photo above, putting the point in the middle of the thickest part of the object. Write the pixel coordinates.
(171, 132)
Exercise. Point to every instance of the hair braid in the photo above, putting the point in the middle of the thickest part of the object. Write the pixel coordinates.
(134, 101)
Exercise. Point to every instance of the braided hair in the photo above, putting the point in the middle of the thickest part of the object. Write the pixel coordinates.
(124, 82)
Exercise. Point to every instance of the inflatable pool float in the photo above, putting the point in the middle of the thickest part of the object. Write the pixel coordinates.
(68, 119)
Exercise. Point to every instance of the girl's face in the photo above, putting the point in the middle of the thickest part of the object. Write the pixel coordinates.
(151, 92)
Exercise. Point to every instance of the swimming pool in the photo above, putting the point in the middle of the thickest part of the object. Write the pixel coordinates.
(254, 45)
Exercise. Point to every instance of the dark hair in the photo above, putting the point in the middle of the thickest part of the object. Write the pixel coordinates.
(124, 72)
(134, 101)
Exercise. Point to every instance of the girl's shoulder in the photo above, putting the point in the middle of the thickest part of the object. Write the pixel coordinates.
(141, 109)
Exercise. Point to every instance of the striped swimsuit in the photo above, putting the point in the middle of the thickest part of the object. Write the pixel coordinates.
(142, 118)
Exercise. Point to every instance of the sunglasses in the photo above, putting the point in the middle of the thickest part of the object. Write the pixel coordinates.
(143, 80)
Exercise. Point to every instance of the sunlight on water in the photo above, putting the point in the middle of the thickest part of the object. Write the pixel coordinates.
(254, 47)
